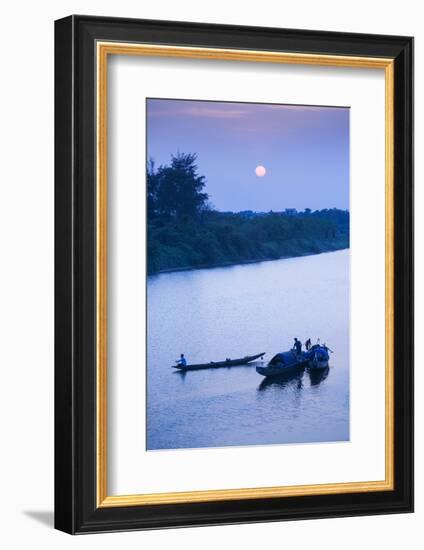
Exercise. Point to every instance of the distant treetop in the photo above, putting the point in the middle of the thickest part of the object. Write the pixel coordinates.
(176, 190)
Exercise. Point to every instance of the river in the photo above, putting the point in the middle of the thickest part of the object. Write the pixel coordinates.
(212, 314)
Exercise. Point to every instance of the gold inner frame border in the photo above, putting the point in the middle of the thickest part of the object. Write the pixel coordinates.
(103, 50)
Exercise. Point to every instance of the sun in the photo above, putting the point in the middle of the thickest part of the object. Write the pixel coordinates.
(260, 171)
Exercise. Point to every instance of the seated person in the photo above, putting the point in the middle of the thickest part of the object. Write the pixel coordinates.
(182, 360)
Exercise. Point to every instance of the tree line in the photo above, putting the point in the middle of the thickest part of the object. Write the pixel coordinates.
(184, 231)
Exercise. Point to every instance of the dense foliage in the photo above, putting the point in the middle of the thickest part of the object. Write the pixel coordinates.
(185, 232)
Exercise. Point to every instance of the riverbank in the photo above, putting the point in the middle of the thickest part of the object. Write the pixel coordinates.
(216, 239)
(246, 262)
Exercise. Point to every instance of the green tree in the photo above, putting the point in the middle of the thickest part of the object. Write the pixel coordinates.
(176, 191)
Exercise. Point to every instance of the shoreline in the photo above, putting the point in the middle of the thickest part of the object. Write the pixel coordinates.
(246, 262)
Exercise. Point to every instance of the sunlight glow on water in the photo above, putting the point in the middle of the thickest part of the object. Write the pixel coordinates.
(235, 311)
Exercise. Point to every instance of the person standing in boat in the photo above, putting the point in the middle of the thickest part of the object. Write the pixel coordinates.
(182, 360)
(308, 344)
(297, 346)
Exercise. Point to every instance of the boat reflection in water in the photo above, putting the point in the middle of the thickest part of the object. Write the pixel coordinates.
(318, 375)
(293, 379)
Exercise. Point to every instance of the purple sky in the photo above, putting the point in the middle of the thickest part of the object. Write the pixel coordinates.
(305, 151)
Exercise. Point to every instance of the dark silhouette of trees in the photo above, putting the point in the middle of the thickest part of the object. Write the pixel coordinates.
(184, 231)
(152, 189)
(176, 191)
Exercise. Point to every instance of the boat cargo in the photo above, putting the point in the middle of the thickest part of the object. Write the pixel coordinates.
(285, 362)
(318, 357)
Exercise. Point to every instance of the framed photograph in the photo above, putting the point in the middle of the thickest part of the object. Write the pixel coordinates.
(234, 274)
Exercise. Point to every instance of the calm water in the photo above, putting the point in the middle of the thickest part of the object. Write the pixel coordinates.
(212, 314)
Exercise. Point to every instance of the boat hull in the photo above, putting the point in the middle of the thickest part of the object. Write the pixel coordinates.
(282, 363)
(318, 365)
(281, 370)
(220, 364)
(318, 357)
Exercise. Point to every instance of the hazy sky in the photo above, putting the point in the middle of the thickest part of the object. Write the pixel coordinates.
(305, 151)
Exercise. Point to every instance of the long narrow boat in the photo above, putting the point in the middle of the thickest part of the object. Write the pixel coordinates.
(219, 364)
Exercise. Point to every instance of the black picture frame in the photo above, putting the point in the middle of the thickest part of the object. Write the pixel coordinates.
(76, 509)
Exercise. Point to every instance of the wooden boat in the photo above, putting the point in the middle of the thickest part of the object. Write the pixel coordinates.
(216, 365)
(318, 357)
(283, 363)
(315, 364)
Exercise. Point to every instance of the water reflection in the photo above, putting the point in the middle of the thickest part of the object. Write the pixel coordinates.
(318, 375)
(293, 380)
(211, 314)
(181, 374)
